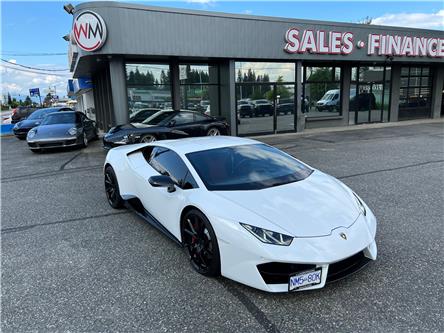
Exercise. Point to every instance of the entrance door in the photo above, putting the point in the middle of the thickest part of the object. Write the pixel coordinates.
(369, 94)
(368, 108)
(264, 108)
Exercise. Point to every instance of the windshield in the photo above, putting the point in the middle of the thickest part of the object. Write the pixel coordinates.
(247, 167)
(41, 113)
(141, 115)
(59, 118)
(159, 118)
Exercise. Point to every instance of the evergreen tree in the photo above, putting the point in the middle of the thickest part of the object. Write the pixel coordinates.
(28, 101)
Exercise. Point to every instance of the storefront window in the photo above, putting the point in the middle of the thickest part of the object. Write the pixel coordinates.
(265, 97)
(199, 88)
(321, 91)
(148, 88)
(369, 94)
(414, 94)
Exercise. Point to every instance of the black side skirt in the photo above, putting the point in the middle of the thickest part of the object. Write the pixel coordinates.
(136, 206)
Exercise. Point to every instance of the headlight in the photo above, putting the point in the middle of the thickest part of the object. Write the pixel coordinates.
(268, 236)
(72, 131)
(360, 204)
(16, 126)
(31, 133)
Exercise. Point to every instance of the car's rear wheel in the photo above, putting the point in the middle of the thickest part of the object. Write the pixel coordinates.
(112, 189)
(213, 131)
(201, 243)
(148, 138)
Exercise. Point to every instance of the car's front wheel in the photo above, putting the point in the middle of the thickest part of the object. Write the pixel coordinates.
(147, 138)
(112, 188)
(213, 131)
(200, 241)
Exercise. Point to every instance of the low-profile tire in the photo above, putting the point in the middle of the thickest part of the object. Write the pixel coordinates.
(112, 188)
(200, 242)
(213, 131)
(148, 138)
(85, 140)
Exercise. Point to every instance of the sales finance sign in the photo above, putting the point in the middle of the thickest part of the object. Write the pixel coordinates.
(335, 42)
(89, 31)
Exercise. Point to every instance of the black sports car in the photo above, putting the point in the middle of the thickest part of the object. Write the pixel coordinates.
(62, 129)
(166, 124)
(22, 128)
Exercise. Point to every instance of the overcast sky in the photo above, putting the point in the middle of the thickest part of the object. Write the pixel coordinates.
(31, 29)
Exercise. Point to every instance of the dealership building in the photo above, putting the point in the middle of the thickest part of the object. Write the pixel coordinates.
(263, 74)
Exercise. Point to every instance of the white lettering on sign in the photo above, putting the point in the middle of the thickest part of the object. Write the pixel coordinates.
(335, 42)
(320, 42)
(405, 46)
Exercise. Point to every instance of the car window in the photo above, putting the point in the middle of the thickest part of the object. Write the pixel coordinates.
(246, 167)
(59, 118)
(41, 113)
(80, 117)
(183, 118)
(200, 117)
(159, 118)
(168, 163)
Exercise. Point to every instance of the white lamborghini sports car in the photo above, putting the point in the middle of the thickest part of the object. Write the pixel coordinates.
(245, 210)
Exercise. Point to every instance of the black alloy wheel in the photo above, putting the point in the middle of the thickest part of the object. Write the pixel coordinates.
(200, 240)
(112, 189)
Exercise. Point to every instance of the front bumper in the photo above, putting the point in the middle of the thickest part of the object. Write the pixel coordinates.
(37, 144)
(107, 144)
(269, 267)
(21, 132)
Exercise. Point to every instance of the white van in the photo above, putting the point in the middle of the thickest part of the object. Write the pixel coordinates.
(330, 101)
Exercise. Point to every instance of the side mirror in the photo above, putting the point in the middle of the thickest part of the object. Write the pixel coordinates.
(163, 181)
(172, 123)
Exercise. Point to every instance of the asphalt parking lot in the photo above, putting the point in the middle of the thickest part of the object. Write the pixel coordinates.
(71, 263)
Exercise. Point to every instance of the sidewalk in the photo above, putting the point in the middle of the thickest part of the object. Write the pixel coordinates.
(312, 131)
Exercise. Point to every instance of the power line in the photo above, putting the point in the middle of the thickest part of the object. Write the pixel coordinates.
(18, 54)
(36, 68)
(35, 72)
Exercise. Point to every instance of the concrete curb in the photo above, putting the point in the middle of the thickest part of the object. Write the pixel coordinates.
(312, 131)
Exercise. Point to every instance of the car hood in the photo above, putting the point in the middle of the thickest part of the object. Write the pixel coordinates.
(54, 131)
(29, 123)
(309, 208)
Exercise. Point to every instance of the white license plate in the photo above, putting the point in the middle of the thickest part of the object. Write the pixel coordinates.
(305, 279)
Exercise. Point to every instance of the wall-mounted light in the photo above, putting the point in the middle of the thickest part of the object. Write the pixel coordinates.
(69, 8)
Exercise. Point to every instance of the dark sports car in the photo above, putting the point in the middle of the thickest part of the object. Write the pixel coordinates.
(166, 124)
(62, 129)
(22, 128)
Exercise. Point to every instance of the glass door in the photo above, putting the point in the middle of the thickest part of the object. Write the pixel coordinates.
(265, 108)
(285, 107)
(369, 100)
(255, 108)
